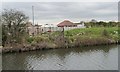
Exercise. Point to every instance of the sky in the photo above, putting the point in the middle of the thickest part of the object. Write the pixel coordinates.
(56, 12)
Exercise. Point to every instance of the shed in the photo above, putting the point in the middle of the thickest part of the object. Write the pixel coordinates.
(66, 23)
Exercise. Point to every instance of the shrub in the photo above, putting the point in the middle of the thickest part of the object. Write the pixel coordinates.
(86, 41)
(39, 39)
(105, 33)
(61, 41)
(30, 39)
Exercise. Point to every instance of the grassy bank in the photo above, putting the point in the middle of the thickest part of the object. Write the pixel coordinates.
(72, 38)
(100, 33)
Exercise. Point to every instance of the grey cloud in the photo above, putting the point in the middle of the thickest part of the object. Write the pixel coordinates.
(67, 10)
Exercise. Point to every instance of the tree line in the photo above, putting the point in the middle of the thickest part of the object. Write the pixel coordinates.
(102, 24)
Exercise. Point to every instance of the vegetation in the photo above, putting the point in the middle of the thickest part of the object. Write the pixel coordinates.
(79, 37)
(96, 31)
(37, 39)
(102, 24)
(0, 35)
(13, 27)
(14, 32)
(93, 36)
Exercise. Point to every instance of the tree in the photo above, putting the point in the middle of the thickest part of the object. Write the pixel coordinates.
(13, 26)
(112, 24)
(102, 23)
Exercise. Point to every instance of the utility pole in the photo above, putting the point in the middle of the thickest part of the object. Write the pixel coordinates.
(33, 19)
(63, 31)
(33, 14)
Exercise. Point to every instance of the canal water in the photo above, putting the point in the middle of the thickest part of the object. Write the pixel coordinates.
(83, 58)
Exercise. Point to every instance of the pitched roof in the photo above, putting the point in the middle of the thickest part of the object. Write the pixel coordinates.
(66, 23)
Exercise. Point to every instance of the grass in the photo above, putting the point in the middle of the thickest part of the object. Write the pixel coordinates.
(93, 36)
(93, 32)
(90, 31)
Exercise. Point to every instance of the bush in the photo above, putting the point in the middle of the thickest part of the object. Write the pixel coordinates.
(30, 39)
(39, 39)
(62, 42)
(68, 33)
(105, 33)
(83, 41)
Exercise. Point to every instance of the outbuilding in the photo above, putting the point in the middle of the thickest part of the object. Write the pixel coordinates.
(66, 23)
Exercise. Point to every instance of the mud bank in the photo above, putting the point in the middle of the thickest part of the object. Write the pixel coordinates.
(44, 47)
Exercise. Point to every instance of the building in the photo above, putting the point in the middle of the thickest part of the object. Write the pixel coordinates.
(33, 29)
(48, 28)
(80, 24)
(66, 23)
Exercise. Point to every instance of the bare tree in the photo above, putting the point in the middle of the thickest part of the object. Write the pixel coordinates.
(14, 25)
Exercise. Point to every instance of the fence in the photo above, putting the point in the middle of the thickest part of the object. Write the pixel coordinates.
(45, 29)
(35, 30)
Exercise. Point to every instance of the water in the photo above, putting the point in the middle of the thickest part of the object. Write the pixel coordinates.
(84, 58)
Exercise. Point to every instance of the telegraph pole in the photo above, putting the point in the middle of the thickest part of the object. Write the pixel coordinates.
(33, 19)
(33, 14)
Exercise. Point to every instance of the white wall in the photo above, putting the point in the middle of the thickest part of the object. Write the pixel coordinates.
(52, 28)
(45, 29)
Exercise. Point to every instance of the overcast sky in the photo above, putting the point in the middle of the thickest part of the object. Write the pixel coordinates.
(55, 12)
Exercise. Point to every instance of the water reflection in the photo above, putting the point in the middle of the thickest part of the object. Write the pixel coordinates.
(83, 58)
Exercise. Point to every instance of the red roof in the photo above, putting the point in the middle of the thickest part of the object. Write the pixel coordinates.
(66, 23)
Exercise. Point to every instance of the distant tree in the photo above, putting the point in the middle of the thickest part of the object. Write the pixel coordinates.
(112, 24)
(118, 24)
(87, 24)
(93, 20)
(101, 23)
(13, 26)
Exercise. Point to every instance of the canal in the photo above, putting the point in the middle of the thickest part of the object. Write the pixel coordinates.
(83, 58)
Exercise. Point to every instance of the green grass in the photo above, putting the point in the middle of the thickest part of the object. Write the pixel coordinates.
(94, 32)
(91, 31)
